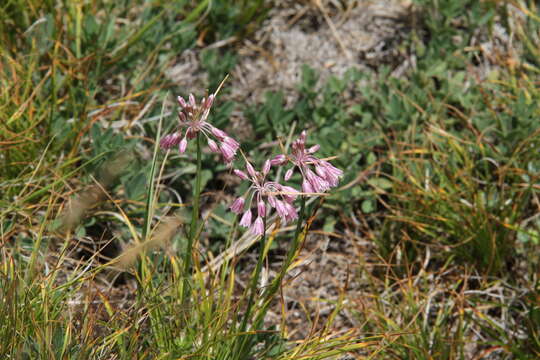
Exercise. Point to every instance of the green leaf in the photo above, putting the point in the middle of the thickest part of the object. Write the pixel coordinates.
(380, 183)
(206, 175)
(368, 206)
(136, 186)
(329, 224)
(371, 158)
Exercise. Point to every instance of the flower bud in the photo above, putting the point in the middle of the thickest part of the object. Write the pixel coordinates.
(288, 174)
(250, 169)
(279, 160)
(237, 206)
(246, 219)
(227, 152)
(209, 101)
(181, 101)
(306, 187)
(218, 133)
(258, 227)
(242, 175)
(266, 167)
(182, 146)
(261, 208)
(213, 146)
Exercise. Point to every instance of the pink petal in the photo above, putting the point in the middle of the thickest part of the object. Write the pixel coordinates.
(231, 142)
(246, 219)
(288, 174)
(302, 137)
(291, 212)
(182, 117)
(209, 101)
(242, 175)
(290, 193)
(266, 167)
(306, 187)
(261, 208)
(181, 101)
(227, 152)
(317, 182)
(169, 141)
(258, 226)
(218, 133)
(281, 209)
(279, 160)
(331, 168)
(213, 146)
(320, 170)
(237, 206)
(183, 145)
(250, 169)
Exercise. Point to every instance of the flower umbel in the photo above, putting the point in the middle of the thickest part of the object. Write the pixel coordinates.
(322, 179)
(263, 193)
(192, 118)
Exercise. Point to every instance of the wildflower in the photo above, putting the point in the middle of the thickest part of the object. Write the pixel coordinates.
(192, 118)
(238, 205)
(325, 175)
(264, 193)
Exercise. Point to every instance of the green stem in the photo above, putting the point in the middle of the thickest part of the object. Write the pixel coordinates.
(194, 218)
(276, 283)
(296, 241)
(253, 290)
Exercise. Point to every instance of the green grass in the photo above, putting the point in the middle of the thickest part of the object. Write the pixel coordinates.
(441, 176)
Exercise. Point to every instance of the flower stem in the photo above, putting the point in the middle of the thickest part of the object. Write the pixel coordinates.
(194, 218)
(253, 289)
(276, 283)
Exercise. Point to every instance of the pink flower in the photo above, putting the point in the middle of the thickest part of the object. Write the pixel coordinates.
(325, 175)
(261, 208)
(246, 219)
(237, 206)
(276, 195)
(258, 226)
(279, 160)
(192, 118)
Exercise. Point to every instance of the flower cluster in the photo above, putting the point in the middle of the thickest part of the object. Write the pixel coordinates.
(318, 175)
(192, 118)
(322, 179)
(277, 196)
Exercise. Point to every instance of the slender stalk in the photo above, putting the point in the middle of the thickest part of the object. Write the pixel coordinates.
(296, 241)
(194, 218)
(252, 290)
(274, 286)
